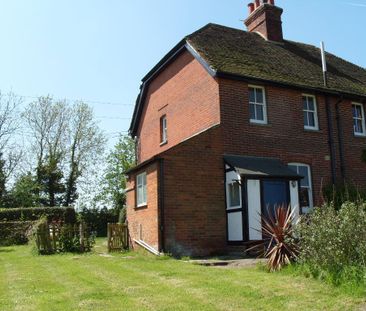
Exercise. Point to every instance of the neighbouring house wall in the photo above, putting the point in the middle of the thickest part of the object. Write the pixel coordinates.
(284, 137)
(144, 220)
(355, 169)
(194, 196)
(189, 98)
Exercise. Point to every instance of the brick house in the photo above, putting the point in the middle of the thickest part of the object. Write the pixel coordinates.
(232, 123)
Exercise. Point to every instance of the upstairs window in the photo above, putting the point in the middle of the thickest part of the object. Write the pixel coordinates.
(257, 105)
(141, 192)
(310, 112)
(163, 130)
(306, 187)
(358, 119)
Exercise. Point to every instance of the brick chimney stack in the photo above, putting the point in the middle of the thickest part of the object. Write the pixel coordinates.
(265, 19)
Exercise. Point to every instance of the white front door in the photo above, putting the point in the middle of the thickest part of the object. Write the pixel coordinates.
(254, 209)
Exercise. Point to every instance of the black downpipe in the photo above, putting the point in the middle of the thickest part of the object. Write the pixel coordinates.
(161, 206)
(331, 140)
(340, 139)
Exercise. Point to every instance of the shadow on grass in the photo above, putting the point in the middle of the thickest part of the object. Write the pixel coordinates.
(6, 250)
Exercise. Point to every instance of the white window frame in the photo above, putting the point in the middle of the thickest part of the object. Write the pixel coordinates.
(163, 130)
(305, 209)
(363, 133)
(228, 193)
(315, 112)
(231, 178)
(141, 185)
(264, 104)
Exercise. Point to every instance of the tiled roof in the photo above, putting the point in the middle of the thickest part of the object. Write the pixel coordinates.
(247, 54)
(236, 53)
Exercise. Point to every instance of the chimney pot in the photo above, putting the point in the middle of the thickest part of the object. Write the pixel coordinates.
(266, 20)
(251, 7)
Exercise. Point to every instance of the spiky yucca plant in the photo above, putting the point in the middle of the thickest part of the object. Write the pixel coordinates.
(278, 244)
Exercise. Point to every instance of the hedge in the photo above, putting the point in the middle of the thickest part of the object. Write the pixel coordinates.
(65, 214)
(98, 219)
(15, 232)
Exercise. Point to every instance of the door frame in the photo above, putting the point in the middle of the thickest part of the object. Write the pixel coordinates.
(244, 201)
(243, 209)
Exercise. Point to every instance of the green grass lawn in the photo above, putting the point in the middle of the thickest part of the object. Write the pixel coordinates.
(136, 282)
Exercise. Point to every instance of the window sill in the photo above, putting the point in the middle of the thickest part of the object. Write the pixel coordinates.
(359, 135)
(260, 124)
(312, 130)
(144, 206)
(163, 143)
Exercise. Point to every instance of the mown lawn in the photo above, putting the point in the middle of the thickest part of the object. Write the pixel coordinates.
(136, 282)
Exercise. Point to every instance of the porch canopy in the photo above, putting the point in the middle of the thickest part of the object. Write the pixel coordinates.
(261, 167)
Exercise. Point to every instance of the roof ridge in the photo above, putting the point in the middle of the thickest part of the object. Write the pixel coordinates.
(327, 53)
(214, 25)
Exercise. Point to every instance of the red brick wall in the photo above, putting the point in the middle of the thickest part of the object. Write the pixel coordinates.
(194, 197)
(187, 95)
(144, 219)
(284, 137)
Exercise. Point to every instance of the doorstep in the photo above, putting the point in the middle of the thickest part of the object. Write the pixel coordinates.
(229, 263)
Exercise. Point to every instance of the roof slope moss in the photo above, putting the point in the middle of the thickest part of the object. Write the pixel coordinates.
(247, 54)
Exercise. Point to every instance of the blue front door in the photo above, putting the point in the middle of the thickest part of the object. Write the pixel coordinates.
(276, 193)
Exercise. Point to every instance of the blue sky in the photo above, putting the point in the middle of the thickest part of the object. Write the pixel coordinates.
(99, 50)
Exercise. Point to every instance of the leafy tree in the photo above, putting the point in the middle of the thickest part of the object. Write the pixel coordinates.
(10, 154)
(66, 139)
(2, 181)
(50, 179)
(25, 192)
(86, 144)
(120, 159)
(48, 122)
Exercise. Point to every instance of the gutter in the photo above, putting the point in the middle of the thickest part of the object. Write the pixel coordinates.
(327, 91)
(230, 76)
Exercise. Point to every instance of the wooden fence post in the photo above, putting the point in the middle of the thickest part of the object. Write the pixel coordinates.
(81, 234)
(54, 237)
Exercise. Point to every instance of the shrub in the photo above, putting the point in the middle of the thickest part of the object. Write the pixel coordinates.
(69, 240)
(42, 237)
(343, 192)
(15, 232)
(278, 243)
(333, 242)
(66, 214)
(57, 237)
